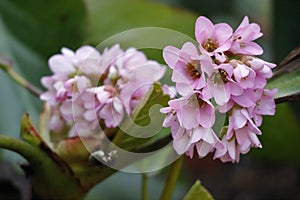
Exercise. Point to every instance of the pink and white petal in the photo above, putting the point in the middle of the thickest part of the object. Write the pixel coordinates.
(243, 25)
(177, 131)
(219, 92)
(235, 89)
(117, 105)
(190, 49)
(196, 134)
(245, 148)
(226, 107)
(203, 149)
(181, 145)
(257, 120)
(169, 120)
(166, 110)
(222, 151)
(238, 119)
(206, 116)
(171, 55)
(247, 99)
(90, 115)
(61, 65)
(184, 89)
(253, 137)
(203, 28)
(228, 68)
(253, 128)
(208, 136)
(190, 152)
(179, 74)
(232, 150)
(188, 117)
(67, 52)
(56, 123)
(230, 131)
(222, 32)
(242, 135)
(253, 48)
(220, 56)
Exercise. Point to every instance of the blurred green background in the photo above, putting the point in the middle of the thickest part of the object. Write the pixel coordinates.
(33, 30)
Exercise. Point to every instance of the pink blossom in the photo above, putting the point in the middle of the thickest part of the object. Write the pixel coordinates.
(136, 82)
(225, 73)
(220, 82)
(262, 69)
(244, 75)
(213, 39)
(62, 66)
(56, 122)
(185, 63)
(265, 105)
(88, 61)
(191, 119)
(88, 88)
(187, 72)
(242, 39)
(230, 152)
(246, 99)
(169, 90)
(108, 105)
(241, 135)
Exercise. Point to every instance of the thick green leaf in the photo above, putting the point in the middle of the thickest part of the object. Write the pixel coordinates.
(31, 31)
(44, 25)
(50, 176)
(15, 100)
(287, 83)
(198, 192)
(287, 75)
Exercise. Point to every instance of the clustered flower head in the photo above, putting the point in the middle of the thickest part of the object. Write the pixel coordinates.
(221, 74)
(90, 88)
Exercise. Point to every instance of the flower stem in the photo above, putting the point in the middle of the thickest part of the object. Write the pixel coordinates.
(6, 66)
(172, 179)
(18, 146)
(145, 194)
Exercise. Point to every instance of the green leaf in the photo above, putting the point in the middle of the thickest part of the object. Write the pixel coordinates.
(287, 84)
(110, 17)
(45, 26)
(31, 31)
(198, 192)
(144, 118)
(287, 76)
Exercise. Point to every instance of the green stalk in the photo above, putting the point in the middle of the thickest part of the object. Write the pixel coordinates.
(7, 67)
(48, 179)
(145, 193)
(172, 179)
(50, 176)
(19, 146)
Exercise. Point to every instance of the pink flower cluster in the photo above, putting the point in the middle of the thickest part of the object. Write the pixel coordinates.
(90, 88)
(219, 74)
